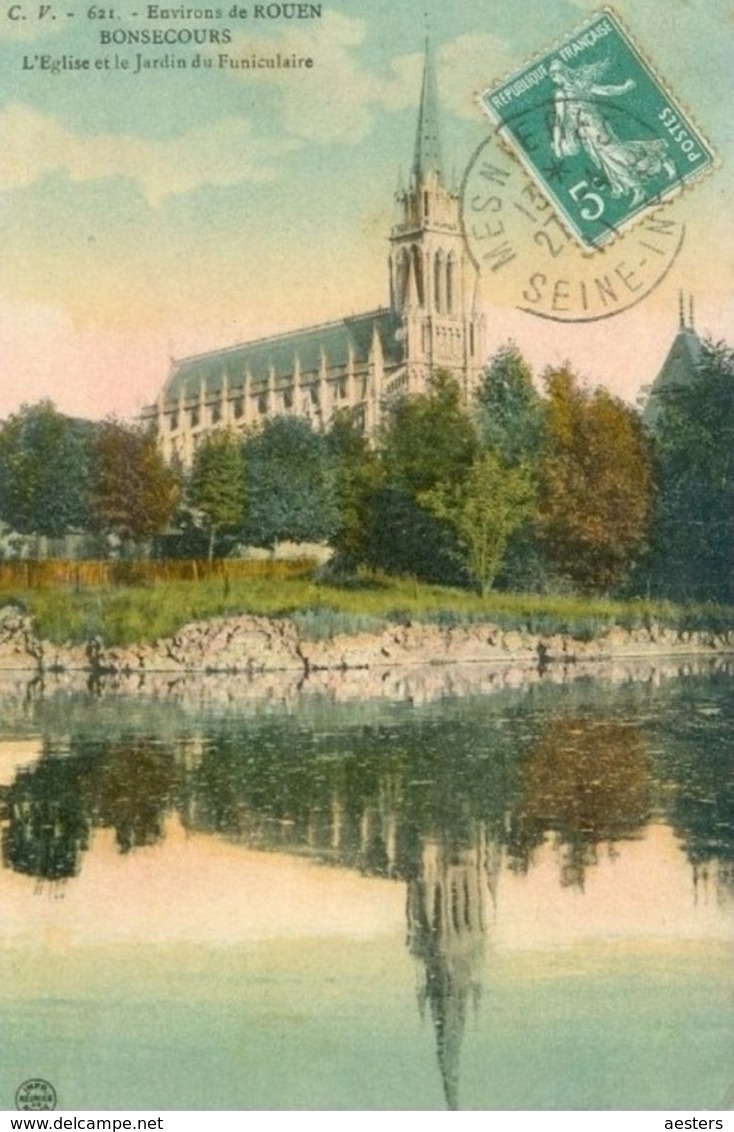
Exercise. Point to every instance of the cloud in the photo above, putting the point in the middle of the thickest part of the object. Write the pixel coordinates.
(334, 101)
(225, 152)
(469, 64)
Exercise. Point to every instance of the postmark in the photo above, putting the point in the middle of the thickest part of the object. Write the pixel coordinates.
(524, 253)
(598, 131)
(35, 1094)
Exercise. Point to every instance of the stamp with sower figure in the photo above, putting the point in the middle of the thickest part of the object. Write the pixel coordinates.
(597, 130)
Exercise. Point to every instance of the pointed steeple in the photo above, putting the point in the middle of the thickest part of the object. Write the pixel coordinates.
(427, 158)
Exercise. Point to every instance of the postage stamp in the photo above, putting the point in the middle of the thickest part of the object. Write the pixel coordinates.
(517, 241)
(597, 130)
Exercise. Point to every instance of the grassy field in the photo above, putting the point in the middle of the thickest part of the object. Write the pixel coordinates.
(145, 611)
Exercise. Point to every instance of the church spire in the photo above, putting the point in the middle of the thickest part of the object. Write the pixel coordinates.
(427, 157)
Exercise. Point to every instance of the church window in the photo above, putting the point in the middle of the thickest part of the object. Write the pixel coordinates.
(173, 421)
(262, 403)
(216, 413)
(288, 399)
(438, 282)
(426, 209)
(418, 272)
(314, 395)
(194, 418)
(239, 408)
(471, 340)
(341, 389)
(450, 264)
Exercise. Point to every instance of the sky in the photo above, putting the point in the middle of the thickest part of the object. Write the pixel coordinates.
(154, 215)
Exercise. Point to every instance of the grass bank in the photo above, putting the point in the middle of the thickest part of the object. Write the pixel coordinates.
(128, 613)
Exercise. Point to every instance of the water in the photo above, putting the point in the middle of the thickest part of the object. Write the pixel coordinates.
(508, 898)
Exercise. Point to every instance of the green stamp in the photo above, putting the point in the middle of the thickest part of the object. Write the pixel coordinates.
(597, 130)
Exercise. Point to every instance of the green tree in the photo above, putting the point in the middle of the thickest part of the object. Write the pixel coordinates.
(215, 488)
(509, 414)
(484, 510)
(429, 441)
(44, 471)
(290, 490)
(134, 492)
(509, 408)
(693, 529)
(596, 483)
(358, 475)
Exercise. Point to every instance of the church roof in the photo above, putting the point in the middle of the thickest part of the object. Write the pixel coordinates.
(427, 158)
(679, 368)
(334, 340)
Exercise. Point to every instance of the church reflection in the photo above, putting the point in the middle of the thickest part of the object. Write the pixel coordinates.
(440, 805)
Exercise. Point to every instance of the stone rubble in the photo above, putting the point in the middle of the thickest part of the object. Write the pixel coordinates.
(250, 645)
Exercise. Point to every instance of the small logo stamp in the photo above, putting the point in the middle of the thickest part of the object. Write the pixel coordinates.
(35, 1094)
(597, 130)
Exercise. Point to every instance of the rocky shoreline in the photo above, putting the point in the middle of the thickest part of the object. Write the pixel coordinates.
(251, 645)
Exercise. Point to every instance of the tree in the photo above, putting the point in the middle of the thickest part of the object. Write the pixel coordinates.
(693, 528)
(357, 478)
(509, 408)
(289, 484)
(133, 491)
(44, 471)
(484, 510)
(509, 414)
(215, 487)
(596, 483)
(430, 441)
(430, 438)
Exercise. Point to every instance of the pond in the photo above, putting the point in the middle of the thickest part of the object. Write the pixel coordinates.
(507, 898)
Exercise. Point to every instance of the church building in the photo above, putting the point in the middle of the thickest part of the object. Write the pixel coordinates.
(679, 368)
(362, 362)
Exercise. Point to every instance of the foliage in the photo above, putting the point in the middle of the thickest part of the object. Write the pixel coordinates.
(430, 439)
(215, 488)
(133, 492)
(44, 471)
(357, 478)
(509, 408)
(596, 483)
(290, 484)
(484, 509)
(403, 537)
(693, 529)
(122, 615)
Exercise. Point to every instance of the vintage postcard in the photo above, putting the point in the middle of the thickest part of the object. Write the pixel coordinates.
(367, 556)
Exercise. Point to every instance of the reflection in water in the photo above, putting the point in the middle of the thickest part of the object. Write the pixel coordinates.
(587, 781)
(446, 926)
(436, 800)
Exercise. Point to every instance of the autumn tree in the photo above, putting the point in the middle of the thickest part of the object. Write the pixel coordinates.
(484, 510)
(596, 483)
(44, 471)
(133, 491)
(215, 489)
(693, 528)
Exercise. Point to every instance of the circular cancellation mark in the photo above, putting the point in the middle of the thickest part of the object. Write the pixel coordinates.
(516, 239)
(35, 1094)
